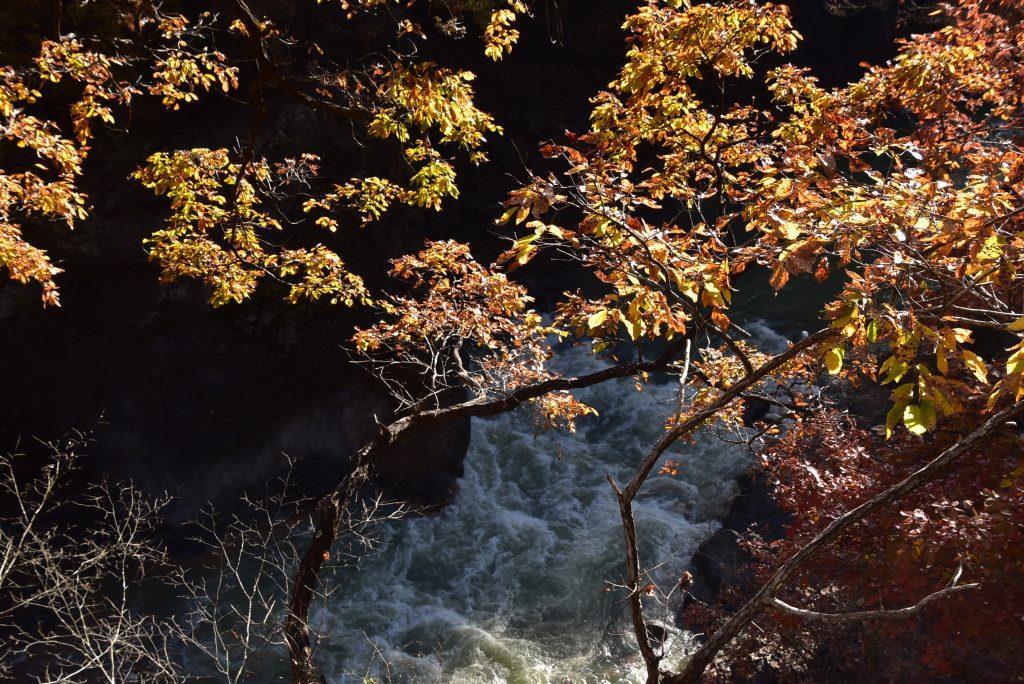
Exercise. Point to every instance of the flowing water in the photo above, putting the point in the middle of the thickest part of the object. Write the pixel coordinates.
(507, 584)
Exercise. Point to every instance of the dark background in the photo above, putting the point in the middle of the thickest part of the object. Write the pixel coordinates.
(201, 402)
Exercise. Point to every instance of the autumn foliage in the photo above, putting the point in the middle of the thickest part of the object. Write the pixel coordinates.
(707, 158)
(965, 524)
(905, 187)
(220, 230)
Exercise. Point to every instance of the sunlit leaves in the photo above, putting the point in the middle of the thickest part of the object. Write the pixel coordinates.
(90, 85)
(222, 235)
(661, 276)
(413, 103)
(25, 263)
(183, 70)
(220, 232)
(179, 77)
(676, 40)
(459, 299)
(501, 35)
(370, 197)
(47, 189)
(423, 97)
(919, 225)
(942, 219)
(465, 326)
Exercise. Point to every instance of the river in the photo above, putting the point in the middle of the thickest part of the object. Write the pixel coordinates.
(507, 584)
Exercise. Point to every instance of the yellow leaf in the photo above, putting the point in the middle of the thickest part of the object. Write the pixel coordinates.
(790, 230)
(1015, 364)
(596, 319)
(941, 360)
(919, 419)
(784, 188)
(523, 213)
(834, 359)
(1017, 325)
(975, 365)
(689, 291)
(962, 335)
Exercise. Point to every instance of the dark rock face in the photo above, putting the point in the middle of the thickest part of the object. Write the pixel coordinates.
(424, 465)
(720, 562)
(203, 405)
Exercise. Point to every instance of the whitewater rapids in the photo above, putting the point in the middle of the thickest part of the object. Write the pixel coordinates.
(507, 584)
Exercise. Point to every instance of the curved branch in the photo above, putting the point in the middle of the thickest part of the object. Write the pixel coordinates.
(712, 409)
(625, 496)
(894, 614)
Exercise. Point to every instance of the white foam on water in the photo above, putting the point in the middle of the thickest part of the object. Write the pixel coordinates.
(507, 584)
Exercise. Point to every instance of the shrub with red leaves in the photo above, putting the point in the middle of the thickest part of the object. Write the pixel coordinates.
(968, 525)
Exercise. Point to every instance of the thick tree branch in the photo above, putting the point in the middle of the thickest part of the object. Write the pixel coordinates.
(712, 409)
(626, 496)
(633, 570)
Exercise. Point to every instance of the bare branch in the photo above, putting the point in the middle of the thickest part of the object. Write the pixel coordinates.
(70, 562)
(856, 616)
(687, 427)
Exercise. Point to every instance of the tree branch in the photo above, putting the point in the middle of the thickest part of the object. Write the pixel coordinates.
(712, 409)
(894, 614)
(270, 69)
(626, 496)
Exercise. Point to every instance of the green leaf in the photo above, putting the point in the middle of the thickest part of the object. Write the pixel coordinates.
(893, 417)
(894, 370)
(872, 331)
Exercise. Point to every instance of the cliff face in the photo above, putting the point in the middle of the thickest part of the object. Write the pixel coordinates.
(202, 402)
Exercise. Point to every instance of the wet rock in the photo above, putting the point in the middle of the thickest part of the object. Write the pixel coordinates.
(720, 562)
